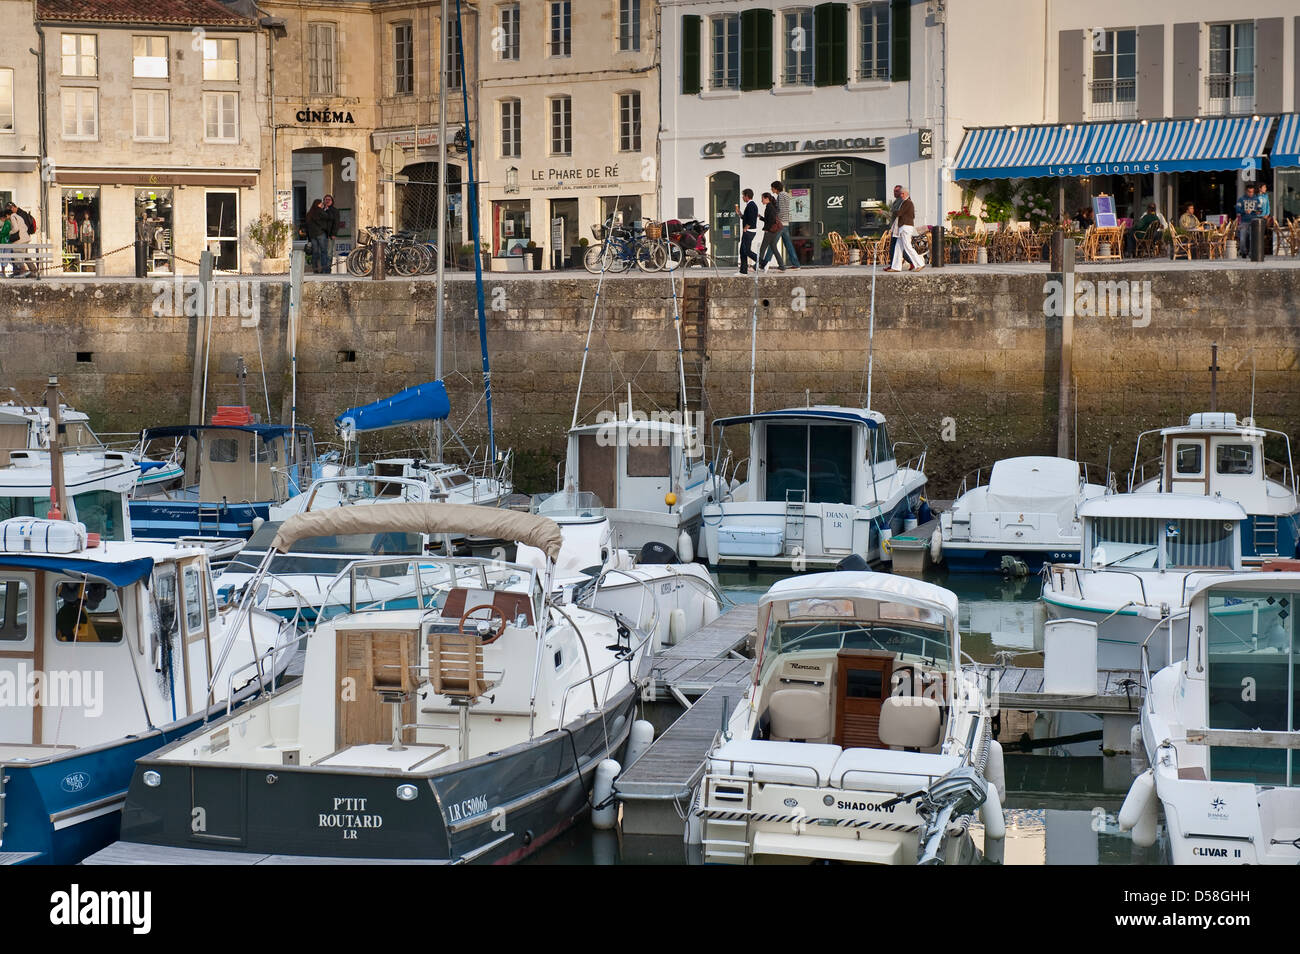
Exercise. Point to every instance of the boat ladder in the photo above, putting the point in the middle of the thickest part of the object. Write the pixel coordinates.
(1265, 533)
(212, 513)
(795, 516)
(726, 840)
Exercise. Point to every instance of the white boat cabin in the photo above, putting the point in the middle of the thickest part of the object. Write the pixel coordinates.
(635, 463)
(98, 486)
(1161, 532)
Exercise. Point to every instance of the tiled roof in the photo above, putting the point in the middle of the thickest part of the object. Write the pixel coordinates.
(180, 12)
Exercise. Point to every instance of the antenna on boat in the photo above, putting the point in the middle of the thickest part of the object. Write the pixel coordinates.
(441, 202)
(59, 490)
(1214, 376)
(871, 331)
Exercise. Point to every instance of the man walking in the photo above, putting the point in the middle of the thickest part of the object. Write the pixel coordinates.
(783, 206)
(771, 234)
(1248, 210)
(906, 229)
(330, 223)
(317, 239)
(893, 220)
(19, 235)
(748, 231)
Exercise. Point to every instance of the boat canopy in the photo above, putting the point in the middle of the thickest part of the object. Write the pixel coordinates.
(429, 518)
(265, 431)
(856, 584)
(424, 402)
(123, 573)
(871, 419)
(1162, 506)
(1034, 485)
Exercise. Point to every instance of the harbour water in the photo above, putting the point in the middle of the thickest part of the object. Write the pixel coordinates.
(1061, 808)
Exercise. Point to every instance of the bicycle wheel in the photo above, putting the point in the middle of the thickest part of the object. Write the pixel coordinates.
(617, 257)
(406, 261)
(673, 255)
(591, 260)
(361, 261)
(650, 256)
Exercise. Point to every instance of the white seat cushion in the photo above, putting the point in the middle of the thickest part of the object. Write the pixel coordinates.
(802, 715)
(887, 770)
(909, 722)
(786, 763)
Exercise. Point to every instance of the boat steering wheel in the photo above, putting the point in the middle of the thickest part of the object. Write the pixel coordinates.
(492, 612)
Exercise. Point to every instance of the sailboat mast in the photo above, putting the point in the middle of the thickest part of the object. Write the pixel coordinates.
(871, 332)
(474, 230)
(441, 212)
(56, 446)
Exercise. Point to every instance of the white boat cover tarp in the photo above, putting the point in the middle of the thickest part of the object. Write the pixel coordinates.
(430, 518)
(1035, 485)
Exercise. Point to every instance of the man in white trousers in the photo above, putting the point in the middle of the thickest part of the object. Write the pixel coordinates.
(905, 220)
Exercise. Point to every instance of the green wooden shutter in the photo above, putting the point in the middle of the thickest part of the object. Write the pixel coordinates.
(900, 41)
(839, 43)
(822, 35)
(691, 54)
(756, 40)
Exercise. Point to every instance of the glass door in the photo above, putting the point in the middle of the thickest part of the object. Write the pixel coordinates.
(724, 223)
(223, 230)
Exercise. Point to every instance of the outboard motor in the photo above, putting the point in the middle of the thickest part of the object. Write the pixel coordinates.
(960, 792)
(853, 561)
(655, 553)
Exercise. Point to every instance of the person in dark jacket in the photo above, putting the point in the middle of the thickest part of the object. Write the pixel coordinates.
(748, 230)
(906, 222)
(317, 237)
(771, 234)
(330, 222)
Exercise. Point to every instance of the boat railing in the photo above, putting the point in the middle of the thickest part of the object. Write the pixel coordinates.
(977, 476)
(608, 672)
(1078, 580)
(258, 662)
(1168, 623)
(915, 462)
(1281, 473)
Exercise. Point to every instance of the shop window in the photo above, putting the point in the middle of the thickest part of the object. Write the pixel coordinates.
(403, 59)
(511, 128)
(873, 41)
(625, 209)
(561, 29)
(15, 617)
(149, 57)
(80, 54)
(221, 117)
(151, 115)
(80, 226)
(321, 58)
(80, 113)
(6, 100)
(153, 208)
(507, 45)
(87, 612)
(511, 223)
(629, 26)
(221, 60)
(223, 229)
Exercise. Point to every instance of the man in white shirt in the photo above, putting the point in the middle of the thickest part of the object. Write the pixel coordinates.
(19, 235)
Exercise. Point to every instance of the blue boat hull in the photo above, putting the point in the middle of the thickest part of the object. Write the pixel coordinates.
(1288, 529)
(989, 559)
(169, 519)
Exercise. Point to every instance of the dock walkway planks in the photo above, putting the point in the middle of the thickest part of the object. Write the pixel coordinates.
(726, 633)
(1118, 691)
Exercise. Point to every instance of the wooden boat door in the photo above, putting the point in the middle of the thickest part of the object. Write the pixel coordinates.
(20, 656)
(861, 687)
(1187, 465)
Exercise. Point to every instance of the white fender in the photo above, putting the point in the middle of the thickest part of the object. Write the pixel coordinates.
(685, 552)
(1138, 813)
(995, 825)
(676, 626)
(936, 546)
(995, 770)
(604, 817)
(886, 544)
(639, 740)
(694, 831)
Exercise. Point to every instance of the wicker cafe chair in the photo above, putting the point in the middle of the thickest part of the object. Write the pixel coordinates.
(1182, 243)
(1218, 240)
(839, 251)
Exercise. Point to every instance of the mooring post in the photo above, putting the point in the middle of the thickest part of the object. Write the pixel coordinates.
(1067, 349)
(202, 339)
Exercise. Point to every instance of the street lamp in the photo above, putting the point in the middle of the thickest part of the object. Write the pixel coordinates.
(512, 180)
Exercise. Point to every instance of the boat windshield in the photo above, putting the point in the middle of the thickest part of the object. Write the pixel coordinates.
(329, 554)
(568, 503)
(451, 584)
(918, 641)
(1140, 542)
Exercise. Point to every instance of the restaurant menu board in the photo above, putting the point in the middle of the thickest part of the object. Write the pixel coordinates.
(1103, 211)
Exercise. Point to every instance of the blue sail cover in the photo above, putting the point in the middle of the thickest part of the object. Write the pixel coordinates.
(424, 402)
(118, 574)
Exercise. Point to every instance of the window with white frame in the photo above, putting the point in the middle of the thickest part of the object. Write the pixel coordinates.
(511, 128)
(403, 59)
(561, 29)
(1114, 74)
(221, 117)
(452, 74)
(724, 68)
(149, 57)
(629, 122)
(80, 113)
(221, 60)
(1231, 76)
(507, 41)
(321, 58)
(629, 26)
(6, 100)
(873, 40)
(150, 115)
(798, 44)
(80, 54)
(562, 126)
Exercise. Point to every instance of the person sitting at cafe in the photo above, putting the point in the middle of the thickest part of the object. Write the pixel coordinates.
(1188, 221)
(1084, 219)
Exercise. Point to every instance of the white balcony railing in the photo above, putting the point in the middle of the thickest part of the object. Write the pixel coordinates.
(1230, 94)
(1113, 99)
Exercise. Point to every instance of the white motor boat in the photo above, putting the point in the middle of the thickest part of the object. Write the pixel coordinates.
(1143, 554)
(1024, 515)
(862, 737)
(1221, 727)
(822, 483)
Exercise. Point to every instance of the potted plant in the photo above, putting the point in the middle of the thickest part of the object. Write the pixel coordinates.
(268, 235)
(963, 218)
(465, 256)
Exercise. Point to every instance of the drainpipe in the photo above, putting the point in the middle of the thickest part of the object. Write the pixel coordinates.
(40, 93)
(275, 28)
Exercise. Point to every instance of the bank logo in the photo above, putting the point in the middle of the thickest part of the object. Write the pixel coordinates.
(713, 150)
(835, 202)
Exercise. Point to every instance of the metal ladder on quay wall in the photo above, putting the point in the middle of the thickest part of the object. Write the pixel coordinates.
(796, 515)
(695, 341)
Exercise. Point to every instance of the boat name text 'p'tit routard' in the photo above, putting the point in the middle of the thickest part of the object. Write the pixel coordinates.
(350, 815)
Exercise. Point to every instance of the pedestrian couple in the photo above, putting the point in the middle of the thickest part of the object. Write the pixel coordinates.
(16, 229)
(776, 230)
(322, 227)
(902, 227)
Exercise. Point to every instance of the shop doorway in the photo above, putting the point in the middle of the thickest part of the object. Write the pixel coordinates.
(416, 200)
(839, 194)
(153, 207)
(80, 229)
(223, 230)
(326, 171)
(565, 211)
(724, 223)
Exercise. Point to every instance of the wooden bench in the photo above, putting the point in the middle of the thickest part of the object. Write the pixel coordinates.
(14, 256)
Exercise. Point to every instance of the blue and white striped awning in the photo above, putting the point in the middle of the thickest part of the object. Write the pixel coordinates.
(1286, 145)
(1127, 148)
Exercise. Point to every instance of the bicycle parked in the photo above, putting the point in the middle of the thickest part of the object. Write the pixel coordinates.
(404, 253)
(622, 246)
